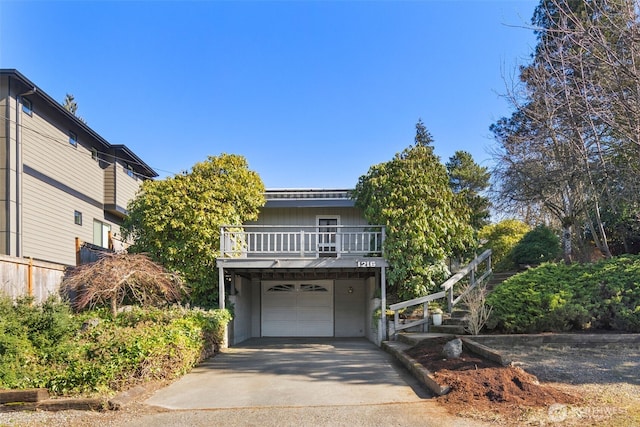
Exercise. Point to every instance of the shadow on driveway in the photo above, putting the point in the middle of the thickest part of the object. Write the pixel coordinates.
(264, 372)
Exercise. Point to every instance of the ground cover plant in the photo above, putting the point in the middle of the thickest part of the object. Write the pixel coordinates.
(559, 297)
(93, 352)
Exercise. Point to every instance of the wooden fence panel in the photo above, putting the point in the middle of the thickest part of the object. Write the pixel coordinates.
(21, 277)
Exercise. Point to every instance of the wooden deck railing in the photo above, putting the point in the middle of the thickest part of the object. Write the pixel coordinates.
(266, 241)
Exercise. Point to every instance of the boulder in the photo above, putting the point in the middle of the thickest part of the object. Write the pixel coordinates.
(452, 349)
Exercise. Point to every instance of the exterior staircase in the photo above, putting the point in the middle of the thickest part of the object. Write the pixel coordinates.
(451, 323)
(454, 323)
(497, 278)
(474, 275)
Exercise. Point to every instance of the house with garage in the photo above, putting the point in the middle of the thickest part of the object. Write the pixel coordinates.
(310, 266)
(59, 179)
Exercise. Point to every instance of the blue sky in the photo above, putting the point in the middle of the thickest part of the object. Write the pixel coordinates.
(311, 93)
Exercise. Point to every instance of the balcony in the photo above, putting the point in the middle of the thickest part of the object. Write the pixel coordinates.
(302, 242)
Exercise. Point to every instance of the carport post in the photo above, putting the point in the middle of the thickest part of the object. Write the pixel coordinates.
(221, 288)
(383, 302)
(221, 305)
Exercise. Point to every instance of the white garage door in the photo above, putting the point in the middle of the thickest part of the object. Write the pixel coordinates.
(297, 309)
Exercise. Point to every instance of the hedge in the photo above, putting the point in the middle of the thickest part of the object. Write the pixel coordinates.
(558, 297)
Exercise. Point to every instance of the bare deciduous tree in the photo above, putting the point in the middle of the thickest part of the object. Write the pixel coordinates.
(478, 311)
(577, 119)
(115, 278)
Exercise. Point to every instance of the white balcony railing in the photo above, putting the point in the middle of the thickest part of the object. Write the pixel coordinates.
(265, 241)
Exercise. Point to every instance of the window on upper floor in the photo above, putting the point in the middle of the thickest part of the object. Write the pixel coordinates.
(94, 153)
(73, 139)
(77, 217)
(129, 170)
(27, 107)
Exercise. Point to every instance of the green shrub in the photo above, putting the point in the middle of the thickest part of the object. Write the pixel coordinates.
(48, 346)
(537, 246)
(501, 238)
(558, 297)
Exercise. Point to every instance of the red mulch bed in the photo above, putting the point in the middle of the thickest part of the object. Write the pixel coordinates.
(478, 384)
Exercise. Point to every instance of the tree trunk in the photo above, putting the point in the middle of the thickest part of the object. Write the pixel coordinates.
(114, 306)
(567, 249)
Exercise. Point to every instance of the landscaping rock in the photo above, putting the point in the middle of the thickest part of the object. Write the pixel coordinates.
(90, 324)
(452, 349)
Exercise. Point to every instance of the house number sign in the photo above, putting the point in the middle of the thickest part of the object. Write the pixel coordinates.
(364, 264)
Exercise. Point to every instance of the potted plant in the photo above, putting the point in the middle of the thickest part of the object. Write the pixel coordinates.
(436, 316)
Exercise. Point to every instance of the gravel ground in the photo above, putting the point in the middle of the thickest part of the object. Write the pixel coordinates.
(608, 377)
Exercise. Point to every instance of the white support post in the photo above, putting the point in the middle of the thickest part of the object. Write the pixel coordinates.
(221, 305)
(223, 248)
(425, 317)
(221, 295)
(383, 302)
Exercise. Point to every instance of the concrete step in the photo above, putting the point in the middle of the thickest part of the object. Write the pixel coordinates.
(497, 278)
(447, 329)
(413, 338)
(453, 320)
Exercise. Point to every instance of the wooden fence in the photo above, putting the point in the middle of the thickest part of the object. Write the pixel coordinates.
(21, 277)
(87, 253)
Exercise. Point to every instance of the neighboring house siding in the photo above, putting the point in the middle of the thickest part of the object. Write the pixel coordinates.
(58, 179)
(7, 168)
(119, 187)
(52, 166)
(110, 185)
(308, 216)
(49, 230)
(46, 149)
(126, 186)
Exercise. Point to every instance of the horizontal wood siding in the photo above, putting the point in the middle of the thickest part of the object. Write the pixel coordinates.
(307, 216)
(119, 187)
(49, 231)
(46, 148)
(110, 185)
(58, 179)
(7, 142)
(126, 186)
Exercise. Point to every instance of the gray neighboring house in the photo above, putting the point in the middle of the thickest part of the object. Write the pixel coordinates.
(310, 266)
(59, 179)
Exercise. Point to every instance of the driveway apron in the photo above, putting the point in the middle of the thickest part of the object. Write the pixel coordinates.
(267, 372)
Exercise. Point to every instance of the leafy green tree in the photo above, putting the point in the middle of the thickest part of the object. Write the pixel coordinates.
(177, 220)
(425, 222)
(468, 180)
(501, 238)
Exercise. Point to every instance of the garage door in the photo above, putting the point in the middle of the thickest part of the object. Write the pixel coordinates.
(297, 309)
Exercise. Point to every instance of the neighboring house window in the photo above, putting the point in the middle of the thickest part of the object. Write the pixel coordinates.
(27, 107)
(94, 154)
(73, 139)
(101, 233)
(129, 170)
(77, 218)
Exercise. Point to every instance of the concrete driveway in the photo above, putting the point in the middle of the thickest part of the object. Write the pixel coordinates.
(293, 372)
